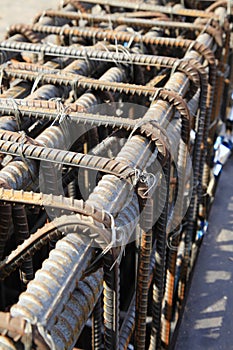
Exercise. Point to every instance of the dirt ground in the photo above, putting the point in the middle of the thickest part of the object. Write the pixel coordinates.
(22, 11)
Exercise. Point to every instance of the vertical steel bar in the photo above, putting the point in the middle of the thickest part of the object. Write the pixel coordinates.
(97, 326)
(143, 272)
(160, 258)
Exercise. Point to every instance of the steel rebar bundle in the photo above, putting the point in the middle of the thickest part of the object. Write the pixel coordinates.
(110, 111)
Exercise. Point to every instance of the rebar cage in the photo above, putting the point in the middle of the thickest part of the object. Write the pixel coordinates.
(111, 113)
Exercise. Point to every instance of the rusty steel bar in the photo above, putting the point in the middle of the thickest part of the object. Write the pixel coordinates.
(22, 233)
(68, 262)
(72, 316)
(50, 231)
(75, 80)
(77, 31)
(108, 56)
(123, 19)
(128, 325)
(160, 257)
(97, 326)
(56, 202)
(143, 275)
(76, 312)
(188, 66)
(107, 34)
(5, 218)
(134, 5)
(111, 300)
(47, 154)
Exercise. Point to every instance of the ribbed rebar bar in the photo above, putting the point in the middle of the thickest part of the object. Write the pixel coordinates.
(47, 294)
(22, 233)
(78, 308)
(143, 275)
(105, 55)
(97, 341)
(135, 22)
(111, 302)
(160, 258)
(47, 154)
(5, 218)
(127, 327)
(107, 34)
(55, 202)
(151, 7)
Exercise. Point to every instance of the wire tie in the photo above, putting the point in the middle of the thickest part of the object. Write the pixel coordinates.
(173, 236)
(117, 51)
(156, 94)
(62, 111)
(62, 32)
(113, 231)
(61, 4)
(74, 85)
(42, 16)
(108, 51)
(36, 82)
(16, 112)
(110, 22)
(46, 336)
(21, 151)
(127, 52)
(131, 41)
(150, 182)
(122, 244)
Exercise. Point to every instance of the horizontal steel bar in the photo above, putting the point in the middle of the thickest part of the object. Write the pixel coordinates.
(55, 202)
(121, 18)
(76, 81)
(135, 5)
(58, 156)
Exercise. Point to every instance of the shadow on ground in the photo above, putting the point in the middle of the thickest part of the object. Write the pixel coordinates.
(208, 318)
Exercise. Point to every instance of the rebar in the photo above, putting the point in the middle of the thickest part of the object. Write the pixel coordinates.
(109, 112)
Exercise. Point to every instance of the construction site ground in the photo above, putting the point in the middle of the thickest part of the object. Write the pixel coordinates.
(207, 321)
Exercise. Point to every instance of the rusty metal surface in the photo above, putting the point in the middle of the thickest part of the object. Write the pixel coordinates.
(109, 115)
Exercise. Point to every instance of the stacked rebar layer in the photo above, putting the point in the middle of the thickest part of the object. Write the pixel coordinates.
(109, 115)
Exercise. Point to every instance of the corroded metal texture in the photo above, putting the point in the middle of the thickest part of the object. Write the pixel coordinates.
(110, 156)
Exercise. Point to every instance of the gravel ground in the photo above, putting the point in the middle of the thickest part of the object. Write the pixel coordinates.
(22, 11)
